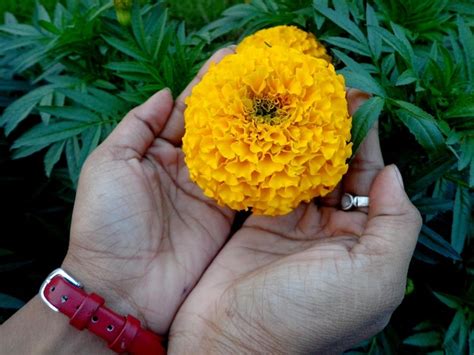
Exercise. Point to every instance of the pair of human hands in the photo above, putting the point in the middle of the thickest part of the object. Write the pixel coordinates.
(316, 280)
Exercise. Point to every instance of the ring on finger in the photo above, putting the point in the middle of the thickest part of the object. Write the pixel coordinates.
(349, 201)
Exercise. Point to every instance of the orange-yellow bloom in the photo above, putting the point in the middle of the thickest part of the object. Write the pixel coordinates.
(286, 36)
(266, 129)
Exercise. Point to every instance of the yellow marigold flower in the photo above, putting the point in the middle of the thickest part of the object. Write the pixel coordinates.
(267, 129)
(287, 36)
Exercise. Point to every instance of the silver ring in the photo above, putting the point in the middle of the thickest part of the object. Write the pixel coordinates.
(348, 201)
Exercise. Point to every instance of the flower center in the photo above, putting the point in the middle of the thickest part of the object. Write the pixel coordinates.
(267, 110)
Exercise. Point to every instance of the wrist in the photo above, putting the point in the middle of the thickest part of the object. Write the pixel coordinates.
(35, 329)
(96, 279)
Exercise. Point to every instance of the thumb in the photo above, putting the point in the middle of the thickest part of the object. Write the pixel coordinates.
(393, 222)
(139, 128)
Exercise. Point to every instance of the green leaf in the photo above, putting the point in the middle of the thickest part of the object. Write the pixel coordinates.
(363, 82)
(126, 48)
(456, 336)
(364, 119)
(425, 339)
(52, 156)
(19, 29)
(26, 151)
(405, 78)
(47, 134)
(436, 243)
(351, 64)
(50, 27)
(422, 125)
(463, 107)
(137, 27)
(467, 40)
(73, 113)
(448, 300)
(471, 341)
(21, 108)
(345, 23)
(433, 170)
(10, 302)
(90, 141)
(89, 101)
(375, 41)
(157, 39)
(72, 158)
(348, 44)
(461, 218)
(402, 48)
(318, 17)
(429, 205)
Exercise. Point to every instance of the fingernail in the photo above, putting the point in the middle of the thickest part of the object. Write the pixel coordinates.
(398, 175)
(232, 47)
(168, 90)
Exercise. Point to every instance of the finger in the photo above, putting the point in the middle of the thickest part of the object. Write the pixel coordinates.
(139, 128)
(174, 129)
(393, 222)
(370, 149)
(368, 161)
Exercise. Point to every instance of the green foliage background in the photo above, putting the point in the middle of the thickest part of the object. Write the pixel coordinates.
(69, 71)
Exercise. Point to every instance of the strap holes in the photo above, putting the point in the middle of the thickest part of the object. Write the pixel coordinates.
(95, 319)
(64, 299)
(110, 327)
(52, 288)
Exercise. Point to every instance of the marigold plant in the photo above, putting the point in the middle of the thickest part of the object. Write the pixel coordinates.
(268, 128)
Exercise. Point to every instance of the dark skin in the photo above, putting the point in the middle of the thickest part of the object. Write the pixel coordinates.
(145, 238)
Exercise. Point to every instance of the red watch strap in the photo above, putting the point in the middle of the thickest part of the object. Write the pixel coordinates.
(123, 334)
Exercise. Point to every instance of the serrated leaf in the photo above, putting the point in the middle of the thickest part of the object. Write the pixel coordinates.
(157, 38)
(436, 243)
(364, 119)
(433, 170)
(10, 302)
(19, 29)
(422, 125)
(126, 48)
(405, 78)
(453, 335)
(345, 23)
(26, 151)
(52, 156)
(461, 218)
(72, 113)
(137, 27)
(50, 27)
(88, 101)
(425, 339)
(90, 141)
(72, 158)
(130, 67)
(351, 64)
(46, 134)
(448, 300)
(471, 342)
(429, 205)
(375, 41)
(363, 82)
(21, 108)
(348, 44)
(467, 39)
(405, 52)
(318, 17)
(463, 107)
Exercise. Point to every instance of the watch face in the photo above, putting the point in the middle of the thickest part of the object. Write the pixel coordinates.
(346, 201)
